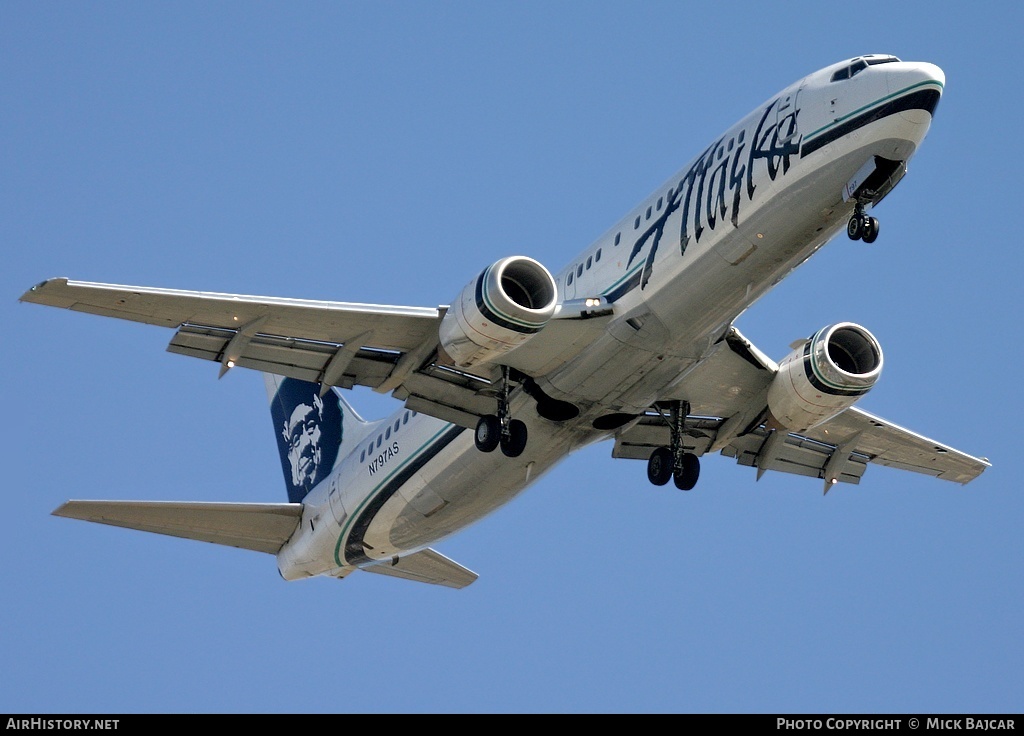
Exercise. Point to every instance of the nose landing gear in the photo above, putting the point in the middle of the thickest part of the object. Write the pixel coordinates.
(673, 461)
(862, 226)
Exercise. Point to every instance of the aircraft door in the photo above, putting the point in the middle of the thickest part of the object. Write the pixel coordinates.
(569, 285)
(337, 507)
(787, 125)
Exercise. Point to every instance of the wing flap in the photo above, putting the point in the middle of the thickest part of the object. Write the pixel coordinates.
(427, 566)
(386, 348)
(262, 527)
(306, 360)
(791, 453)
(859, 438)
(731, 384)
(888, 444)
(638, 439)
(450, 395)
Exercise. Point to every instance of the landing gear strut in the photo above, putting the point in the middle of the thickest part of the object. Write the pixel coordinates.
(861, 226)
(500, 429)
(673, 461)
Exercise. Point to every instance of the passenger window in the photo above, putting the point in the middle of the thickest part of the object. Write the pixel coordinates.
(398, 423)
(387, 435)
(618, 237)
(405, 419)
(648, 216)
(568, 281)
(362, 455)
(579, 270)
(636, 222)
(597, 256)
(379, 438)
(590, 260)
(659, 204)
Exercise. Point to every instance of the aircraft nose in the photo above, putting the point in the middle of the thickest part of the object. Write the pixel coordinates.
(920, 84)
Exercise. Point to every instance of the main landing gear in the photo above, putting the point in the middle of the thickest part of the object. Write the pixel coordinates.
(861, 226)
(500, 429)
(673, 461)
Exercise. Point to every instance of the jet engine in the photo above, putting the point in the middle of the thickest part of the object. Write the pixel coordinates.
(509, 302)
(823, 376)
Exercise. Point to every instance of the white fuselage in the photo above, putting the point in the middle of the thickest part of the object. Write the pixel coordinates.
(756, 203)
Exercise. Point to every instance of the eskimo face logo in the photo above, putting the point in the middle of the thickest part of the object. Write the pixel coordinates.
(309, 432)
(301, 432)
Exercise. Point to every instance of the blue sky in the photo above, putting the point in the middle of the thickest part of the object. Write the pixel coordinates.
(386, 152)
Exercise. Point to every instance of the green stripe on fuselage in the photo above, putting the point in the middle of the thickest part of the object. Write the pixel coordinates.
(373, 494)
(876, 103)
(629, 273)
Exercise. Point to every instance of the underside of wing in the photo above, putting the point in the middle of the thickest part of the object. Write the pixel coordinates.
(262, 527)
(837, 451)
(387, 348)
(386, 327)
(760, 447)
(885, 443)
(427, 566)
(391, 349)
(334, 343)
(728, 401)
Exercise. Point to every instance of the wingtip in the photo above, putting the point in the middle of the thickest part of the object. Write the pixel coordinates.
(29, 296)
(61, 510)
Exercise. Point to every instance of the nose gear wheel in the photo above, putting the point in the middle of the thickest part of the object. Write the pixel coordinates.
(862, 226)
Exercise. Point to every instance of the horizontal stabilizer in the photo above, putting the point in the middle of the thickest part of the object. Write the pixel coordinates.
(427, 566)
(262, 527)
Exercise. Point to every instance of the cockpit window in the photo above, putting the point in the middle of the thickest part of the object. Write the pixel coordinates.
(872, 60)
(860, 64)
(842, 74)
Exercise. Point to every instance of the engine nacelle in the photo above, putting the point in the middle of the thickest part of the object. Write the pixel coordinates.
(506, 305)
(824, 376)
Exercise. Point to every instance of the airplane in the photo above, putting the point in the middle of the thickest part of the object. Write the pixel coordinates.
(633, 341)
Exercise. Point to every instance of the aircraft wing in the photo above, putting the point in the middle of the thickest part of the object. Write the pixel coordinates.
(262, 527)
(728, 394)
(885, 443)
(388, 327)
(388, 348)
(841, 448)
(332, 343)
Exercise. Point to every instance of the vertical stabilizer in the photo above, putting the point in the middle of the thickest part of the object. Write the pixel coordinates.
(313, 433)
